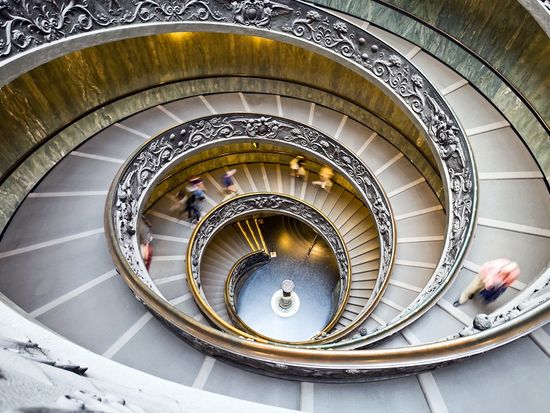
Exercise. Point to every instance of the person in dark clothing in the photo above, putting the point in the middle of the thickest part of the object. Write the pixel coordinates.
(192, 208)
(197, 186)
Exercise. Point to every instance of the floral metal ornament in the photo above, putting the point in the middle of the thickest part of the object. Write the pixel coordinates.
(257, 13)
(26, 24)
(253, 203)
(171, 147)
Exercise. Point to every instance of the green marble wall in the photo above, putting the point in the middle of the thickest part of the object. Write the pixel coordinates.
(18, 184)
(241, 154)
(500, 31)
(50, 97)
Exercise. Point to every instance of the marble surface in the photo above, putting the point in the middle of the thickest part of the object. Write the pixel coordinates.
(315, 277)
(50, 97)
(487, 27)
(33, 169)
(509, 28)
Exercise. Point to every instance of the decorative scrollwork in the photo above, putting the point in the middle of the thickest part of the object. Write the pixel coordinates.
(239, 272)
(254, 203)
(398, 76)
(169, 10)
(172, 145)
(248, 204)
(318, 29)
(26, 23)
(258, 13)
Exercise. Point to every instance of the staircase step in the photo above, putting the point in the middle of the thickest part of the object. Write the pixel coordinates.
(355, 285)
(360, 236)
(343, 201)
(367, 257)
(367, 266)
(365, 276)
(359, 301)
(366, 248)
(362, 217)
(331, 200)
(351, 210)
(354, 308)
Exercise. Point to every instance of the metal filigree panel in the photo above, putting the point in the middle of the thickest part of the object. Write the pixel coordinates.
(172, 146)
(240, 272)
(27, 24)
(249, 204)
(318, 30)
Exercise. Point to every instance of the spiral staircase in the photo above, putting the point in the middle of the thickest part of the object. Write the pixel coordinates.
(70, 286)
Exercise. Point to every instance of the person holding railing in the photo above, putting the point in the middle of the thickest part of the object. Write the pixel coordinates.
(493, 279)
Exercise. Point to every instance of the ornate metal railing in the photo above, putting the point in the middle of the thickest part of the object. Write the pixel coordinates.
(131, 185)
(255, 203)
(237, 277)
(137, 178)
(24, 26)
(321, 365)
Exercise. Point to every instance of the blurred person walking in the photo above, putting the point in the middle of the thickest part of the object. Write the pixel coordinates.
(325, 176)
(493, 279)
(145, 239)
(297, 168)
(229, 184)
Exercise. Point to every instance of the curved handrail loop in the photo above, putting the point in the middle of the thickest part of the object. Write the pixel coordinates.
(238, 275)
(25, 28)
(150, 163)
(330, 365)
(254, 203)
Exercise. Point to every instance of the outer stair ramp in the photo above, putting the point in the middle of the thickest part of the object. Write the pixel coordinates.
(44, 245)
(342, 207)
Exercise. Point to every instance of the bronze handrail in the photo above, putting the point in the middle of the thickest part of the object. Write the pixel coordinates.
(315, 365)
(234, 277)
(303, 24)
(243, 205)
(154, 161)
(18, 40)
(179, 171)
(372, 58)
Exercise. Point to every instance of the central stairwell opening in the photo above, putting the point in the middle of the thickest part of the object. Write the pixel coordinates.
(299, 254)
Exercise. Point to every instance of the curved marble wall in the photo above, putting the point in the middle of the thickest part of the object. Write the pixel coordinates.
(17, 185)
(48, 98)
(501, 32)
